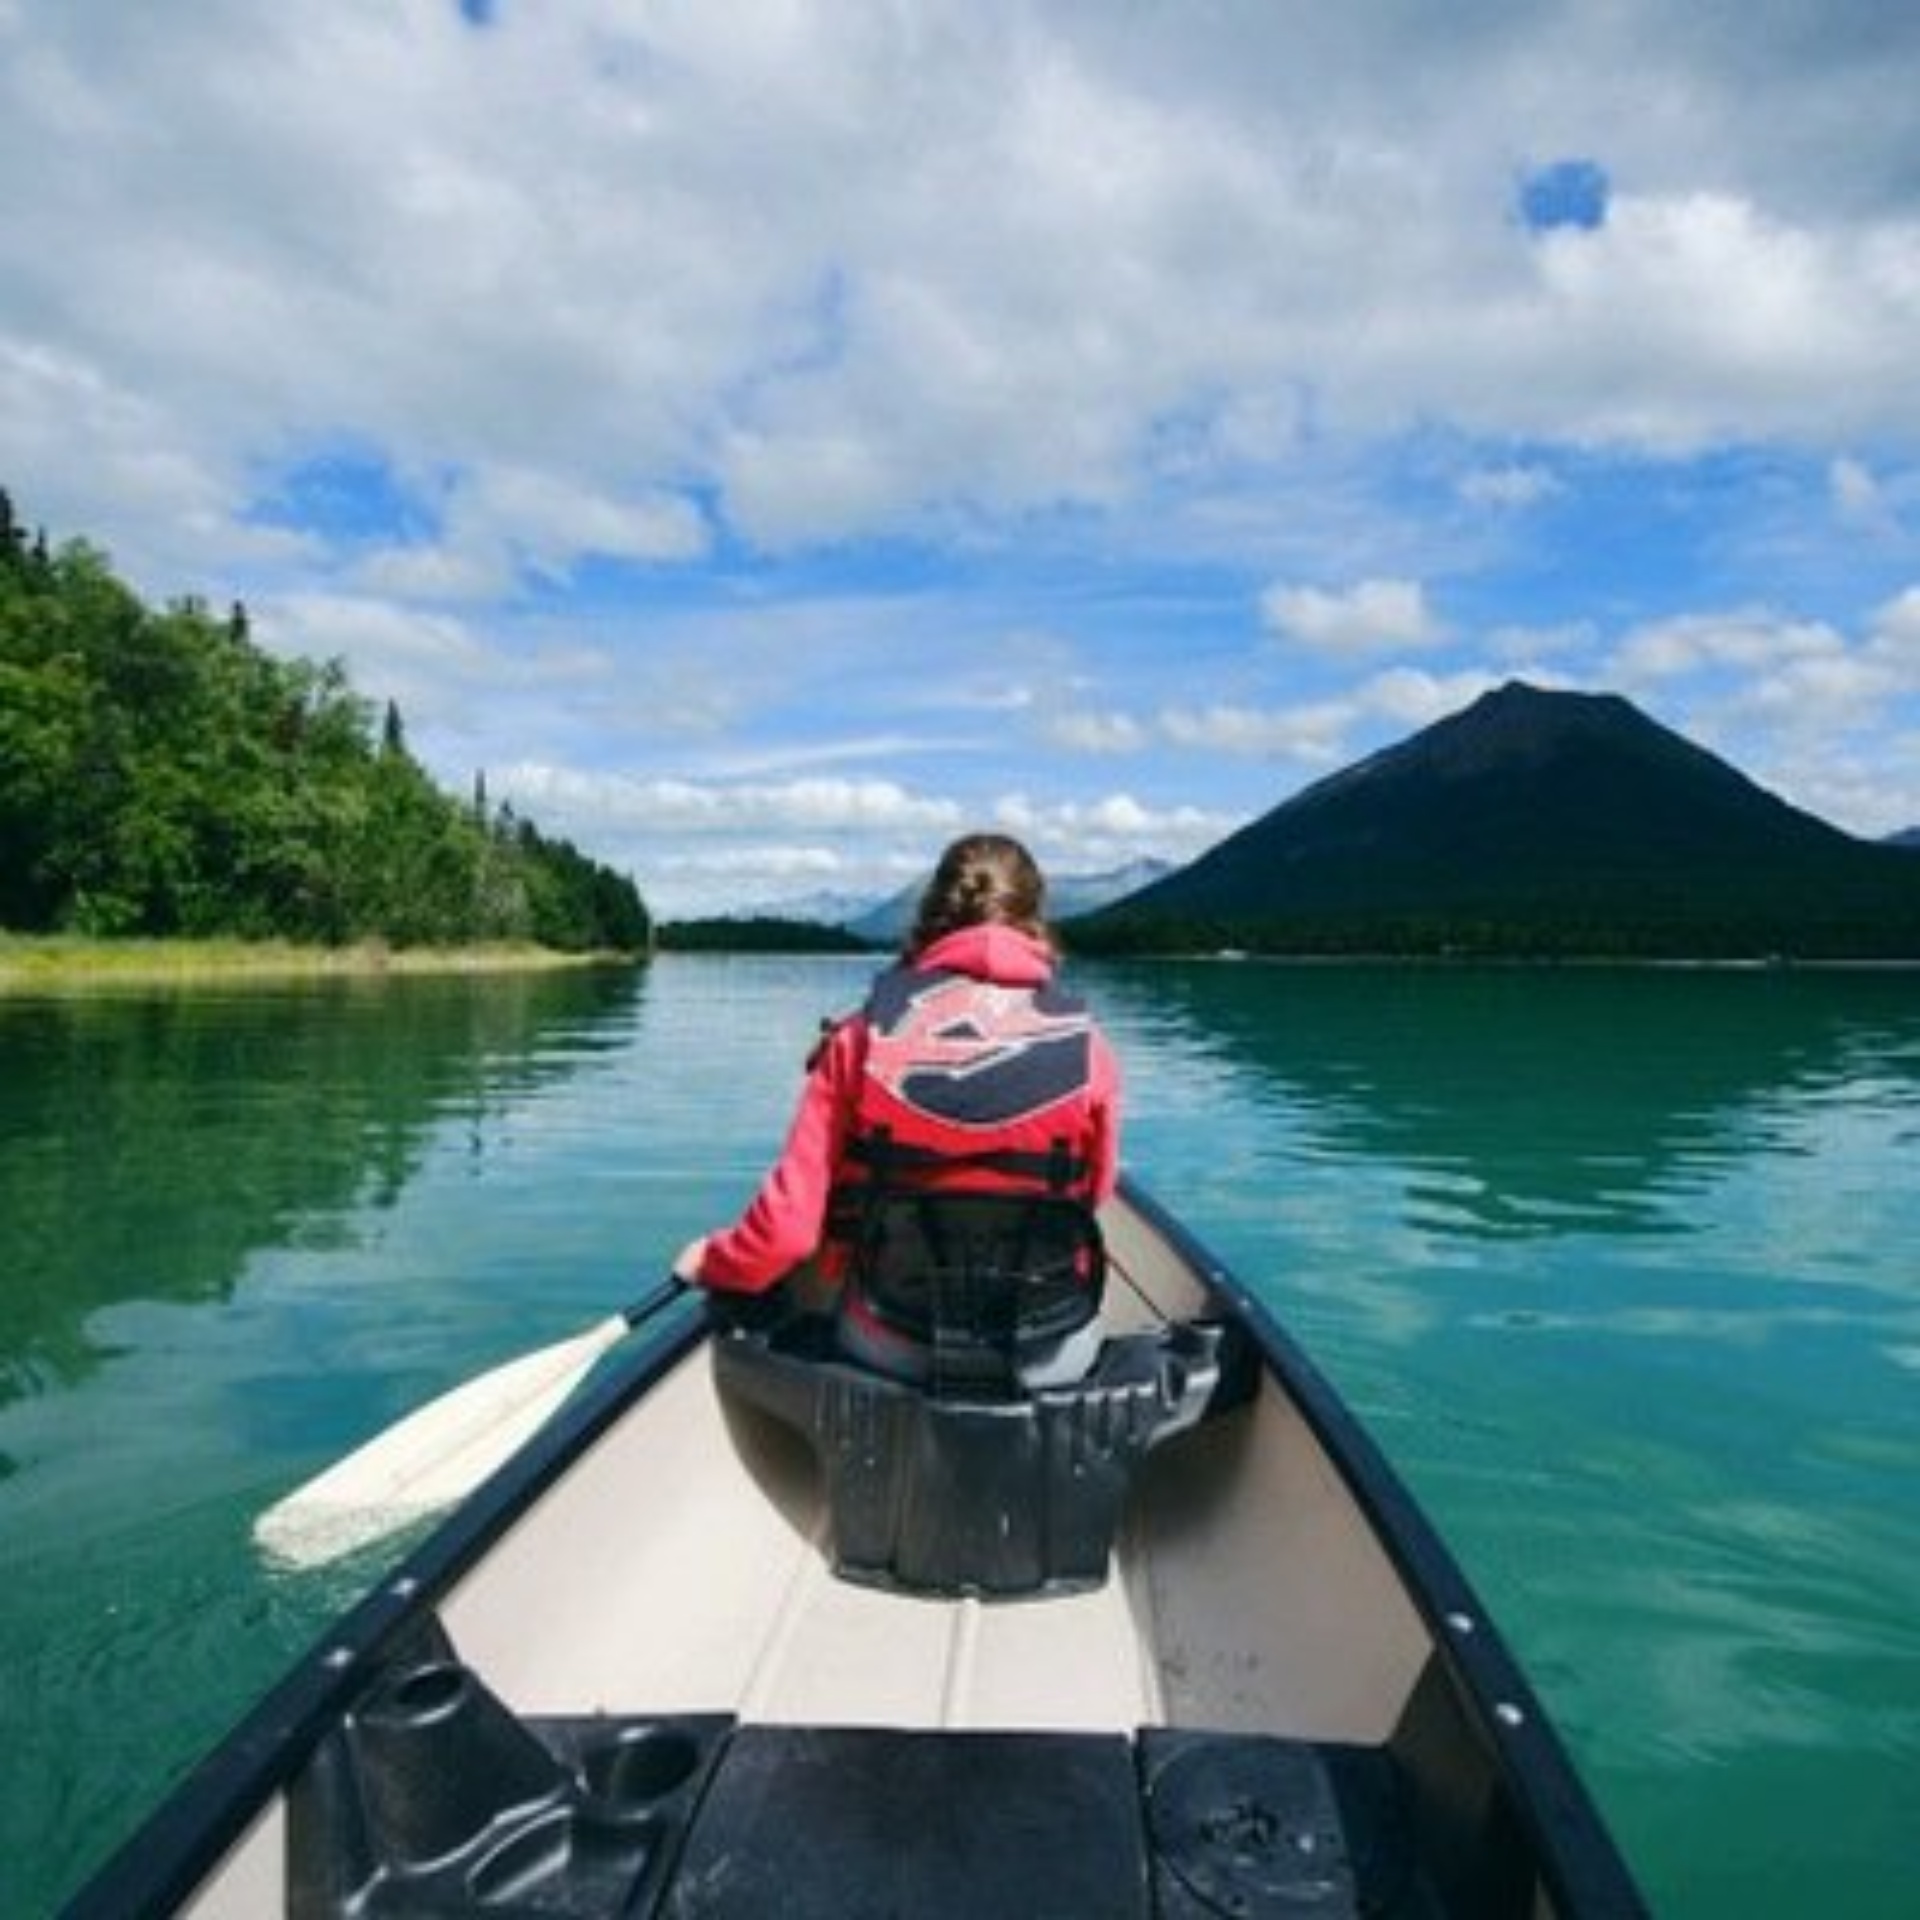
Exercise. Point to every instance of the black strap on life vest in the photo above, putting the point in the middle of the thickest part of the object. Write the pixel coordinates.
(984, 1282)
(1058, 1170)
(981, 1277)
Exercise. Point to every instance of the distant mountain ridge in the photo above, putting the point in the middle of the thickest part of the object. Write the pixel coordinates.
(1534, 822)
(823, 909)
(887, 921)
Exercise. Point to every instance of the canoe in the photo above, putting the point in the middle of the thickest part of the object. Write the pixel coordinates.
(747, 1631)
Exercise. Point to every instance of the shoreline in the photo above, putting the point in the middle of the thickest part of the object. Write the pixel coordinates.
(59, 963)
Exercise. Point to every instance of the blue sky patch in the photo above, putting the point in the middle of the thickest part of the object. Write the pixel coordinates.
(1568, 193)
(353, 498)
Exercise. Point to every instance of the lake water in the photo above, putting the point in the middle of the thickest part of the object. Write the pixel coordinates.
(1621, 1266)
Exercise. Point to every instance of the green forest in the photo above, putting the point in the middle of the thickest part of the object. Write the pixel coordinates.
(759, 933)
(163, 775)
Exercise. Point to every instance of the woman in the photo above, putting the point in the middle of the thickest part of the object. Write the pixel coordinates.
(966, 1070)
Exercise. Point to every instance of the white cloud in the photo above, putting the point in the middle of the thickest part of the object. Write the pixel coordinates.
(1792, 674)
(468, 698)
(435, 572)
(1895, 630)
(698, 807)
(1411, 698)
(1376, 616)
(1508, 487)
(1652, 351)
(1524, 648)
(1311, 735)
(1071, 836)
(1811, 711)
(511, 520)
(1085, 732)
(700, 846)
(1856, 493)
(385, 645)
(1829, 692)
(1752, 638)
(552, 519)
(731, 257)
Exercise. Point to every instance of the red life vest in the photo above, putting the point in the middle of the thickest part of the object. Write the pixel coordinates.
(969, 1088)
(974, 1085)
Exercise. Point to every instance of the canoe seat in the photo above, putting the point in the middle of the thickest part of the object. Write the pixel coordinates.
(992, 1496)
(431, 1799)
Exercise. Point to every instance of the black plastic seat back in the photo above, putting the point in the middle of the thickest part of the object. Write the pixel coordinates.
(984, 1281)
(998, 1495)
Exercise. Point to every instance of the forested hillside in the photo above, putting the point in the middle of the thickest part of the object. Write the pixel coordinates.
(161, 774)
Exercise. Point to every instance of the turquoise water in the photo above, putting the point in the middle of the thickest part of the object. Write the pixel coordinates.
(1618, 1265)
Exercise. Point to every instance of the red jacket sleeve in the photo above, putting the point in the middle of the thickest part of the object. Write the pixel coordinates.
(1103, 1150)
(782, 1224)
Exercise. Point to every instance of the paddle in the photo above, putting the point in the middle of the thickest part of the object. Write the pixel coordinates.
(440, 1452)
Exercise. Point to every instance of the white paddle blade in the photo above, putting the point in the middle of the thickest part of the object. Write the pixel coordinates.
(434, 1457)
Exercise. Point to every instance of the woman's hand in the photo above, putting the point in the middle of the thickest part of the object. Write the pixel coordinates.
(686, 1265)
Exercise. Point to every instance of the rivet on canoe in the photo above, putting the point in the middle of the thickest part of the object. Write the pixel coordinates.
(1460, 1622)
(1508, 1714)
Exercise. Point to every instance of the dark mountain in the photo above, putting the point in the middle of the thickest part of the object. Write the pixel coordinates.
(1533, 822)
(1907, 839)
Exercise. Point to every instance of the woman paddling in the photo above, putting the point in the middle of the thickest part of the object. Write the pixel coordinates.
(968, 1070)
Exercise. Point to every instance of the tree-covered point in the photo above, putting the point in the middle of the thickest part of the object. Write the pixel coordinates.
(764, 933)
(161, 774)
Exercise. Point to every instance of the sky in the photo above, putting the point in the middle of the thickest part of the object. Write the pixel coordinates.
(768, 438)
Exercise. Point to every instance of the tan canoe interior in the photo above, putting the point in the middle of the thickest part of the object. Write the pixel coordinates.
(684, 1571)
(680, 1566)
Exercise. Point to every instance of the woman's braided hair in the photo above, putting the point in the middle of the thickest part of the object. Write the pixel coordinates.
(984, 878)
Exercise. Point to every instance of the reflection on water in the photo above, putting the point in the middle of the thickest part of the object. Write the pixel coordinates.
(1522, 1101)
(150, 1143)
(219, 1215)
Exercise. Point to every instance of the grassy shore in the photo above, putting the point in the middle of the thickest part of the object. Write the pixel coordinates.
(59, 963)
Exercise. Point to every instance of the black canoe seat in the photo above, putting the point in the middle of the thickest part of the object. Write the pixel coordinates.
(432, 1799)
(993, 1496)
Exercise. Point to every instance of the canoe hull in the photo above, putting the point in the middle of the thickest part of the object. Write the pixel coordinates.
(625, 1678)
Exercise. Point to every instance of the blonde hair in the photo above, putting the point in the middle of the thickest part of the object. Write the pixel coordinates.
(982, 879)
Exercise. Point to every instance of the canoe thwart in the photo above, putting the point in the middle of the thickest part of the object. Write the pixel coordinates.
(994, 1497)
